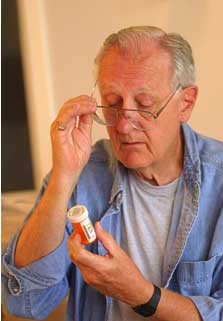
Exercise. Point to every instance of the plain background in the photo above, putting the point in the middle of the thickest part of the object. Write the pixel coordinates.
(61, 38)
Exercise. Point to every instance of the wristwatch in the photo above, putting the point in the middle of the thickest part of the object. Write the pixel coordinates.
(150, 307)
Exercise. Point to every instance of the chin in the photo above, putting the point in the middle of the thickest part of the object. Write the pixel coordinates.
(134, 161)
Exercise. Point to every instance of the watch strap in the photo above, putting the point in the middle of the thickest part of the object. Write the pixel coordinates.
(150, 307)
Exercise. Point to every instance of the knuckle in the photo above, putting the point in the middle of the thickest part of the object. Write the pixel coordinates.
(52, 128)
(75, 255)
(83, 97)
(89, 279)
(71, 108)
(72, 251)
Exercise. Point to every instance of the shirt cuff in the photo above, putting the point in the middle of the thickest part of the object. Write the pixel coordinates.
(43, 273)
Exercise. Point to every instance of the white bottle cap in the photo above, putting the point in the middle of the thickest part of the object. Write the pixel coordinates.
(77, 213)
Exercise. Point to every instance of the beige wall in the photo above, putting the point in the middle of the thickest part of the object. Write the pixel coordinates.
(60, 39)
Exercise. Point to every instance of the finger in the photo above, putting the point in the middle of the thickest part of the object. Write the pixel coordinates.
(82, 105)
(78, 254)
(85, 124)
(74, 245)
(106, 239)
(75, 235)
(78, 106)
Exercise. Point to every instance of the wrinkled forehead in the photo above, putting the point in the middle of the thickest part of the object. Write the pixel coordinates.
(153, 65)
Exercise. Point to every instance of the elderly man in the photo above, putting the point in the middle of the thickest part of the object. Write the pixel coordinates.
(154, 192)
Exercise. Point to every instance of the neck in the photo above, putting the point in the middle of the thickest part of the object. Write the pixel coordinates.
(166, 170)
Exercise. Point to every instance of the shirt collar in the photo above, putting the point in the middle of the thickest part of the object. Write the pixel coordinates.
(117, 187)
(192, 171)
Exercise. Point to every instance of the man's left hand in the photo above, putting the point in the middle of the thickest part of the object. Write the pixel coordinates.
(114, 274)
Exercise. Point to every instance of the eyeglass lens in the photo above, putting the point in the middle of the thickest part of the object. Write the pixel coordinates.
(112, 116)
(139, 119)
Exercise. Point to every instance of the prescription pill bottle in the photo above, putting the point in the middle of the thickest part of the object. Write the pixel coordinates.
(78, 216)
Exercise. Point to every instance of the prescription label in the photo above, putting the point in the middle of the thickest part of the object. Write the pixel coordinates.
(88, 230)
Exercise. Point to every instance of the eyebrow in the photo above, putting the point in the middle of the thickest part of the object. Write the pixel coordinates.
(145, 89)
(140, 90)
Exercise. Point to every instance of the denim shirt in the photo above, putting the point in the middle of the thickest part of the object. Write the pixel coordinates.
(193, 263)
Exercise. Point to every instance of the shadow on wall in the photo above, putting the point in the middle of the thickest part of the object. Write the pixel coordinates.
(16, 157)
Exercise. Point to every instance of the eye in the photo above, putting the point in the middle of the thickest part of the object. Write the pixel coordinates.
(144, 101)
(112, 100)
(146, 106)
(115, 105)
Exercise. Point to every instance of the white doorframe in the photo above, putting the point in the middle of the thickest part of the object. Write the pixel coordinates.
(38, 83)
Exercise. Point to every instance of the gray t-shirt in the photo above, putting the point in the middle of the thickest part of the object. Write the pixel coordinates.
(147, 214)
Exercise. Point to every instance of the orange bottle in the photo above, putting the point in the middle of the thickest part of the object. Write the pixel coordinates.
(78, 216)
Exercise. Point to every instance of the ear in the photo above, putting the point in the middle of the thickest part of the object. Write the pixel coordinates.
(188, 99)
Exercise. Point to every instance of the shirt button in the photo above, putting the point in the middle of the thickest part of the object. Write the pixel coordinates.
(16, 290)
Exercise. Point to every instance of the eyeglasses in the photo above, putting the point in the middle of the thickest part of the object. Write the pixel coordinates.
(140, 119)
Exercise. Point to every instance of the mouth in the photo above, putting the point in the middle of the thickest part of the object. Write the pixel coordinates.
(132, 144)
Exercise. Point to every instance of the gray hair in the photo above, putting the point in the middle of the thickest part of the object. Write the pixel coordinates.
(130, 41)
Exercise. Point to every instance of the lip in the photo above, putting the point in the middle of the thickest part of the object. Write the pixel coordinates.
(134, 144)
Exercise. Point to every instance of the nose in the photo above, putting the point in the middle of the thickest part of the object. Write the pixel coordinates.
(123, 126)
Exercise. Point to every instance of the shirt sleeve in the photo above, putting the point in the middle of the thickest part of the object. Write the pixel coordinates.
(211, 307)
(36, 289)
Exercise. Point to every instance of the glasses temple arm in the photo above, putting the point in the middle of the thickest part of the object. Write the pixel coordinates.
(171, 96)
(93, 89)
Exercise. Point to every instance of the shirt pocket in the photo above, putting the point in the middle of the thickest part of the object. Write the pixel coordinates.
(195, 278)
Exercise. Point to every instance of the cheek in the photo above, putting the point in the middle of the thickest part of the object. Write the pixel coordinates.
(114, 138)
(112, 134)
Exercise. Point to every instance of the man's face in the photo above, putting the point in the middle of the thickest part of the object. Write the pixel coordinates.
(134, 84)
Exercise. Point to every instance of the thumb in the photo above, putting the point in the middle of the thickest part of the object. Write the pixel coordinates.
(106, 239)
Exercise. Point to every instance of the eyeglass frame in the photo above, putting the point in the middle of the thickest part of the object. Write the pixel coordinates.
(154, 115)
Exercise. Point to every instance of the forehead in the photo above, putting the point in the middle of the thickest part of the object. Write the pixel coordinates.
(152, 68)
